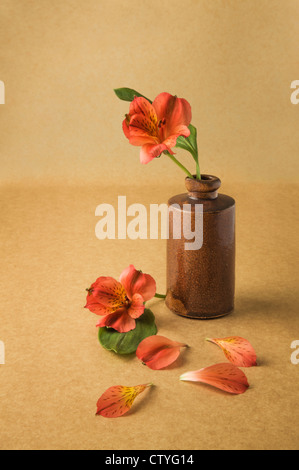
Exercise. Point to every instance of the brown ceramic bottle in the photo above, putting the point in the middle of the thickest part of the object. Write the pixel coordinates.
(201, 282)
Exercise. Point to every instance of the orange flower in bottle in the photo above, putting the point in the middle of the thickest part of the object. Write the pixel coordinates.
(155, 127)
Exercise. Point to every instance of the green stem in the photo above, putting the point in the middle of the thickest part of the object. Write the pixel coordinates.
(198, 174)
(179, 165)
(160, 296)
(194, 153)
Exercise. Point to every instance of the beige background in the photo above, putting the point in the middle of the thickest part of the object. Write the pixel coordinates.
(62, 153)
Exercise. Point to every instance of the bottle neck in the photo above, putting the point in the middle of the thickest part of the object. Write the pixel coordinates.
(206, 188)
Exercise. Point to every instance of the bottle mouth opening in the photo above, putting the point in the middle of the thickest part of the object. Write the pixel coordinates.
(205, 188)
(209, 178)
(203, 178)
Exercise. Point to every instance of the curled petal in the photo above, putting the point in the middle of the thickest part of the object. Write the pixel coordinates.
(180, 130)
(118, 400)
(237, 350)
(120, 321)
(226, 377)
(171, 141)
(136, 282)
(150, 151)
(158, 352)
(126, 128)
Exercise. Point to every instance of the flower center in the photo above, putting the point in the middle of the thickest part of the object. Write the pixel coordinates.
(161, 123)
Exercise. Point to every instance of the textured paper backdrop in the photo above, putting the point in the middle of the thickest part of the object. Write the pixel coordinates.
(62, 153)
(233, 60)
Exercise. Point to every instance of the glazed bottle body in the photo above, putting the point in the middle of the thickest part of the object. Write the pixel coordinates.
(201, 283)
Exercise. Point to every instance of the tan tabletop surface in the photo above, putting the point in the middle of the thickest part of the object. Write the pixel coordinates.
(56, 370)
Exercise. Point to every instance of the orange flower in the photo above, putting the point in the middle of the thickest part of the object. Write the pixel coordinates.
(120, 303)
(155, 127)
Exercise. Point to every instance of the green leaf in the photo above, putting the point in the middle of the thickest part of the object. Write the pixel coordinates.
(127, 343)
(127, 94)
(189, 143)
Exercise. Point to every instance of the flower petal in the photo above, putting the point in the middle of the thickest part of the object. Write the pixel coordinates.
(139, 121)
(171, 141)
(141, 131)
(97, 308)
(136, 282)
(237, 350)
(178, 131)
(126, 128)
(105, 296)
(136, 308)
(158, 351)
(140, 125)
(150, 151)
(142, 106)
(120, 321)
(117, 400)
(226, 376)
(175, 111)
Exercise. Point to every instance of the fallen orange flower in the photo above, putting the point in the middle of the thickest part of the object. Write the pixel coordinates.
(226, 377)
(158, 352)
(237, 350)
(120, 303)
(118, 400)
(155, 127)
